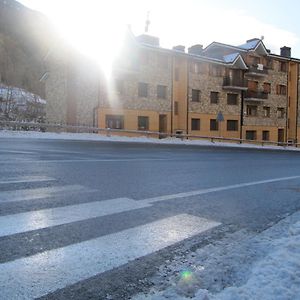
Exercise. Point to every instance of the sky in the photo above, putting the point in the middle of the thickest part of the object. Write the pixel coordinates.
(90, 24)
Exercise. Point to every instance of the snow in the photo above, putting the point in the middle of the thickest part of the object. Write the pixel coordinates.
(140, 139)
(250, 45)
(19, 95)
(230, 57)
(243, 265)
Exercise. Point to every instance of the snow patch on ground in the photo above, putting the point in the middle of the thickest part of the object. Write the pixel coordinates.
(243, 265)
(141, 139)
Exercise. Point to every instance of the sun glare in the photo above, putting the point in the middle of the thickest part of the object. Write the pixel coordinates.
(92, 30)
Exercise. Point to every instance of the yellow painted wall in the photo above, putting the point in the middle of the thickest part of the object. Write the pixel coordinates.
(131, 118)
(259, 129)
(180, 92)
(205, 126)
(292, 97)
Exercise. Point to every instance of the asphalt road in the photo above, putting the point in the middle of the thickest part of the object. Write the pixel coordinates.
(95, 220)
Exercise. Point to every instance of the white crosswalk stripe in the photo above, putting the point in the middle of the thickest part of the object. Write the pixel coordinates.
(17, 223)
(40, 193)
(45, 272)
(26, 179)
(40, 274)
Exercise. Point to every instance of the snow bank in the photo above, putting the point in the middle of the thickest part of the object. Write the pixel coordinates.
(241, 266)
(141, 139)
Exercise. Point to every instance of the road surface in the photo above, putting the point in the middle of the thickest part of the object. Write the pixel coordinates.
(83, 219)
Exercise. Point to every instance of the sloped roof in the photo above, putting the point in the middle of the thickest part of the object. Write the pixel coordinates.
(250, 45)
(231, 57)
(254, 45)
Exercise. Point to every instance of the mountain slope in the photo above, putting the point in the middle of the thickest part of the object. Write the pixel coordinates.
(25, 37)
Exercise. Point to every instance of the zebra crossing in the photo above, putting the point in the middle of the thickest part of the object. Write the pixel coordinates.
(46, 271)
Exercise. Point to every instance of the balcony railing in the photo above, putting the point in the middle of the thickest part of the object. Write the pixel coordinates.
(256, 95)
(257, 70)
(234, 83)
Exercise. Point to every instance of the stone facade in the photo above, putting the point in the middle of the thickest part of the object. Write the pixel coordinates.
(207, 83)
(71, 90)
(56, 92)
(274, 77)
(149, 72)
(77, 94)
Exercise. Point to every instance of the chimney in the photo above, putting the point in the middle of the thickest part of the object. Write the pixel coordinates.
(179, 48)
(285, 51)
(195, 49)
(148, 39)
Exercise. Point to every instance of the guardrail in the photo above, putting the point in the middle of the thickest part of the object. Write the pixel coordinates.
(42, 127)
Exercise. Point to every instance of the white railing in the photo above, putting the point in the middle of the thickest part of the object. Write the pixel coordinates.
(42, 127)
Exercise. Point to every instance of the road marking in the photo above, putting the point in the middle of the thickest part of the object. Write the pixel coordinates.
(40, 193)
(25, 179)
(40, 274)
(17, 152)
(87, 160)
(17, 223)
(216, 189)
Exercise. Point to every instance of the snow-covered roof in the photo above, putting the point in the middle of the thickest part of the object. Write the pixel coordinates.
(19, 95)
(231, 57)
(250, 45)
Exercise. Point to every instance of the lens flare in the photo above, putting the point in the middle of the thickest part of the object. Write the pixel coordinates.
(186, 275)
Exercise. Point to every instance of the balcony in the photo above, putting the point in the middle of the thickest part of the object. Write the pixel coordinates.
(258, 70)
(234, 83)
(256, 95)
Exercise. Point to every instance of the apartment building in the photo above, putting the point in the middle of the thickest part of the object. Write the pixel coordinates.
(222, 90)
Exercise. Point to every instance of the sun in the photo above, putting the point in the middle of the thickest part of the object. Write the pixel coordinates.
(94, 29)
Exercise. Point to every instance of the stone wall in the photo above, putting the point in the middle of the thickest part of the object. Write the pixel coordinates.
(274, 101)
(151, 73)
(207, 83)
(56, 92)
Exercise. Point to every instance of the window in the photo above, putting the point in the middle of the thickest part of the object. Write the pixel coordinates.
(143, 89)
(282, 66)
(250, 135)
(232, 125)
(215, 70)
(214, 125)
(280, 112)
(266, 111)
(281, 89)
(114, 121)
(176, 74)
(267, 87)
(195, 124)
(214, 97)
(176, 108)
(196, 68)
(163, 61)
(251, 110)
(143, 123)
(232, 99)
(266, 135)
(120, 86)
(196, 94)
(162, 92)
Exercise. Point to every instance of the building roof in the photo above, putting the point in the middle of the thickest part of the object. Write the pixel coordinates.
(250, 45)
(230, 57)
(234, 60)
